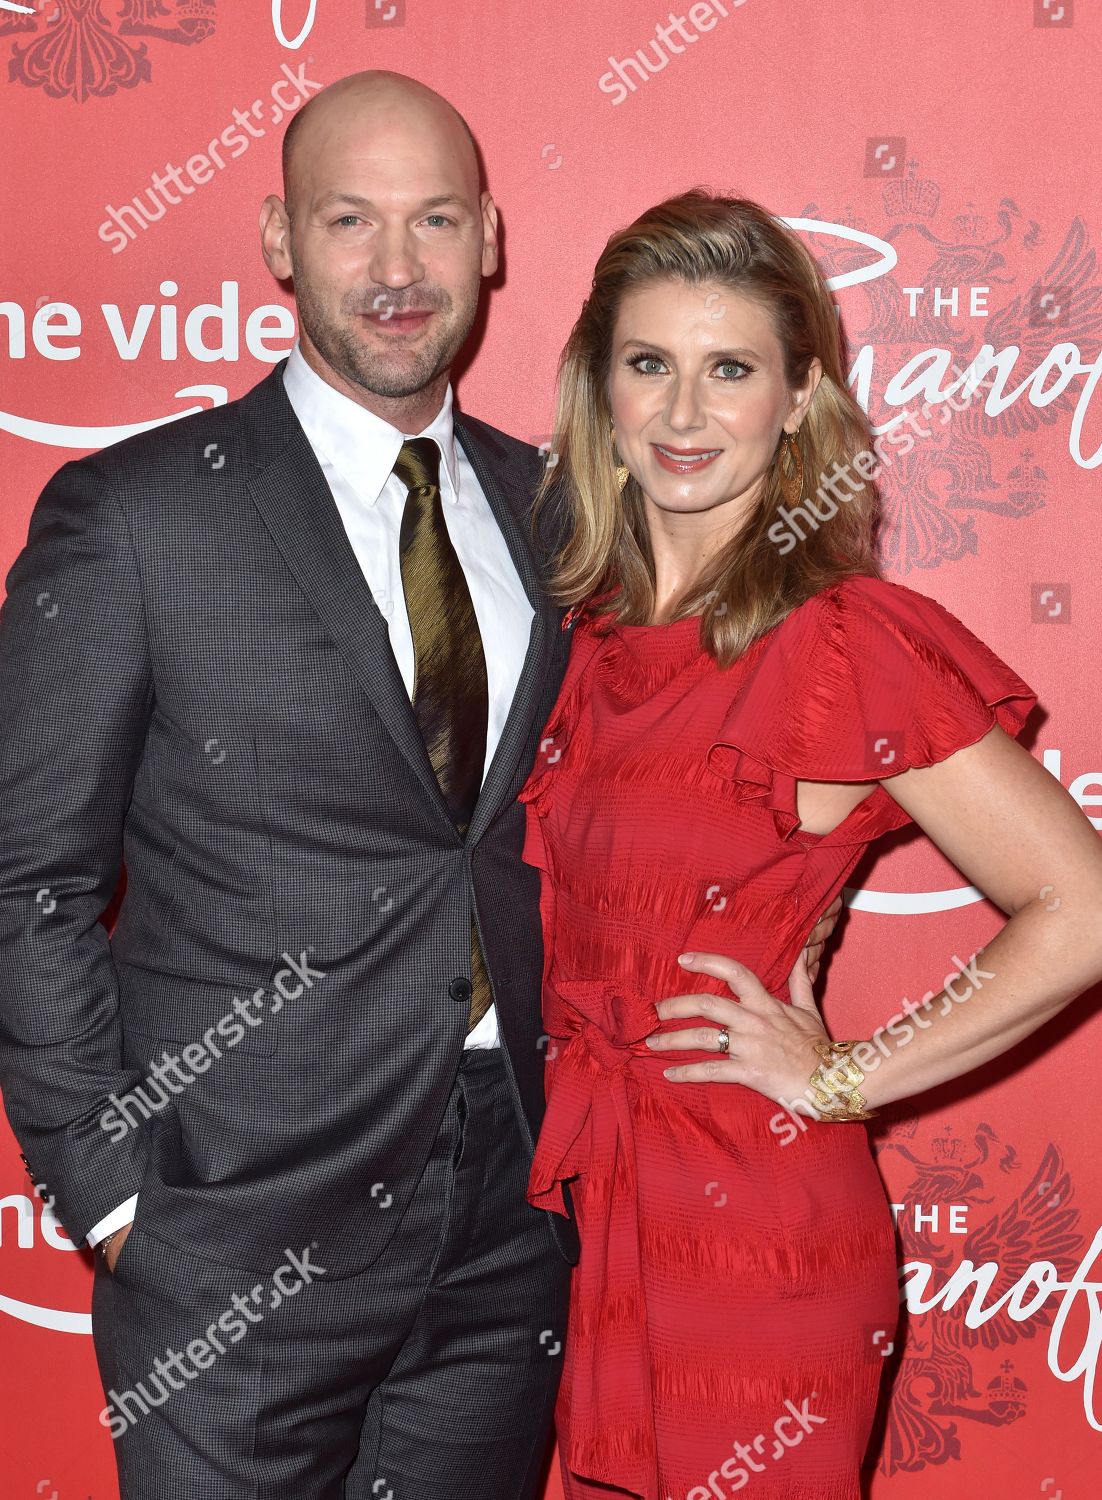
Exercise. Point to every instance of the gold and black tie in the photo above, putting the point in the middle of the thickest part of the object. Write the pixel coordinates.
(450, 695)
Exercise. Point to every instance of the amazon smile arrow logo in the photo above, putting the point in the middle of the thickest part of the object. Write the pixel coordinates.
(68, 435)
(49, 1235)
(46, 1317)
(912, 903)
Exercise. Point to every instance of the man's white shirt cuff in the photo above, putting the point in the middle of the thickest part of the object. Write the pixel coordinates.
(118, 1218)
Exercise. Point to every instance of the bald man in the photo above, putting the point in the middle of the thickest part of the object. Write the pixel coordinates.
(295, 669)
(297, 674)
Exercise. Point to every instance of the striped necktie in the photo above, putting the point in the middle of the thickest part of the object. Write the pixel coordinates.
(450, 694)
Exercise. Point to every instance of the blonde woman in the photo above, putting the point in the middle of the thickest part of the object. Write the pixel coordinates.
(745, 710)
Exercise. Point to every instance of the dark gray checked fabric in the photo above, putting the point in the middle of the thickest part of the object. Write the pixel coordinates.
(430, 1375)
(196, 678)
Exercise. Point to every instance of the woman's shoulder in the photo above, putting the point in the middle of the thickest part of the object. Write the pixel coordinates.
(867, 603)
(873, 626)
(867, 661)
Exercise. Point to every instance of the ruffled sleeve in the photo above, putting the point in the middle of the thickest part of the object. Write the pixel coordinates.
(863, 681)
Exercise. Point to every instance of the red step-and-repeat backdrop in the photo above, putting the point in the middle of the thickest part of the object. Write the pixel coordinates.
(940, 161)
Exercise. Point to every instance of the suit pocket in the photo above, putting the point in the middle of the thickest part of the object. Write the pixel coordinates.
(203, 1018)
(122, 1260)
(137, 1242)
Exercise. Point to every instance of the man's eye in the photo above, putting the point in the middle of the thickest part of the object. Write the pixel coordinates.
(349, 219)
(443, 218)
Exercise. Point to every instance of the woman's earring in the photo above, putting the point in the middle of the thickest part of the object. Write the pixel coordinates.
(622, 471)
(790, 463)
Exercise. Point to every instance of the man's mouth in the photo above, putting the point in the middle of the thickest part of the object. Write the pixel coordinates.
(398, 320)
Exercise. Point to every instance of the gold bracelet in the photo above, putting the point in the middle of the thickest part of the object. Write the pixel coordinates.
(838, 1078)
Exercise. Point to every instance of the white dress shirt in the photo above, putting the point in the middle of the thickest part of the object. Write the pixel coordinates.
(357, 452)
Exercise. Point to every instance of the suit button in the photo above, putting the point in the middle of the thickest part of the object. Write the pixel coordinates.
(460, 989)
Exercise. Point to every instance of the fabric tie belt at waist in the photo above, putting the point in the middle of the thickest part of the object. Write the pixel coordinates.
(588, 1133)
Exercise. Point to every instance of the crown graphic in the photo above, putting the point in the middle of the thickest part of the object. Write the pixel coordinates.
(947, 1147)
(1006, 1392)
(908, 198)
(970, 225)
(1026, 482)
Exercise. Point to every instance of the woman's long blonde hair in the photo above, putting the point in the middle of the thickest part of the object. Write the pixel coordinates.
(750, 584)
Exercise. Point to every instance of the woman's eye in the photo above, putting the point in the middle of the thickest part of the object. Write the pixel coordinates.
(641, 360)
(734, 364)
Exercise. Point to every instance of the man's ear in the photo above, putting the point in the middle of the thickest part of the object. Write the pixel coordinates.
(489, 235)
(275, 236)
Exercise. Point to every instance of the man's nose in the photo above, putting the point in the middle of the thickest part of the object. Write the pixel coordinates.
(395, 260)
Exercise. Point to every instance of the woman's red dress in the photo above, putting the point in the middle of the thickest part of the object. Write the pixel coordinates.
(737, 1286)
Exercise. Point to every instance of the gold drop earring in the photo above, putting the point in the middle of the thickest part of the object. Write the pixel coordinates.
(622, 470)
(790, 463)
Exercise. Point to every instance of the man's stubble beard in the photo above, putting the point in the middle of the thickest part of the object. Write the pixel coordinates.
(361, 366)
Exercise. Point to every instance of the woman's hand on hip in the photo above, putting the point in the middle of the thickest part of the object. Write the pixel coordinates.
(771, 1043)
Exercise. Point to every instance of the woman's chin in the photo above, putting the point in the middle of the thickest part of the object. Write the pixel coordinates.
(686, 498)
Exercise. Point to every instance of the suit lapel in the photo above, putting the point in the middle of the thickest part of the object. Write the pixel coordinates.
(510, 501)
(294, 499)
(297, 505)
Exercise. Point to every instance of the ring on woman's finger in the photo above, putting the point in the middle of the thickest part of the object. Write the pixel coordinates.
(723, 1040)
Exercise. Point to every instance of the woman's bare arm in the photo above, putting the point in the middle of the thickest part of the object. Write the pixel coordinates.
(1014, 832)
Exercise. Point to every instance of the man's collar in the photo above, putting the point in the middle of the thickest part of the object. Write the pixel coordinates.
(362, 447)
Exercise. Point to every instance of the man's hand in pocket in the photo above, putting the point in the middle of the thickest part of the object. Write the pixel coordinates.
(114, 1249)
